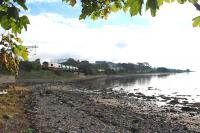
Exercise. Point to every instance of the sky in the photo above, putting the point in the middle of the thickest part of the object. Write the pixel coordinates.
(167, 40)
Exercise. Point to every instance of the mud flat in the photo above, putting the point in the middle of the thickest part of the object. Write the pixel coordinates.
(72, 108)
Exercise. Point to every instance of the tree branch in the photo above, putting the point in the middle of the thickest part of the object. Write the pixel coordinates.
(197, 6)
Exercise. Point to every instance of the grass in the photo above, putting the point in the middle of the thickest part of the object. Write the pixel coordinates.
(48, 75)
(13, 118)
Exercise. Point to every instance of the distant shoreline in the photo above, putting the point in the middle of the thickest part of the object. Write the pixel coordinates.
(89, 77)
(30, 80)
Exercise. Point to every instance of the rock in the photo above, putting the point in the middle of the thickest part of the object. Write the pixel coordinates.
(71, 104)
(1, 125)
(165, 97)
(174, 101)
(131, 94)
(196, 104)
(134, 130)
(189, 109)
(172, 111)
(140, 94)
(185, 128)
(174, 118)
(6, 116)
(150, 88)
(192, 113)
(61, 130)
(185, 102)
(73, 132)
(150, 97)
(48, 92)
(135, 121)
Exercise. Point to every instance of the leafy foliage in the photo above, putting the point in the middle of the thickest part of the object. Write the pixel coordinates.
(196, 22)
(102, 8)
(11, 48)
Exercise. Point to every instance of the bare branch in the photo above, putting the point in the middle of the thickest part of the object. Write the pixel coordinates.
(197, 6)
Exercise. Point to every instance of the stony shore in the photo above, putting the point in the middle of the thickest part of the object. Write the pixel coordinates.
(69, 108)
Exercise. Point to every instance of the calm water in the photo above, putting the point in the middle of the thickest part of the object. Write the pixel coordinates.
(183, 85)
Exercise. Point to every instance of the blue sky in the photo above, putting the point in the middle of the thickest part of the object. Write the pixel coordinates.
(166, 40)
(73, 12)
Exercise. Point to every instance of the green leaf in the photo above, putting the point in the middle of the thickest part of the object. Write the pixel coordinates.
(169, 1)
(71, 2)
(114, 8)
(181, 1)
(22, 51)
(135, 6)
(160, 2)
(196, 22)
(153, 6)
(24, 21)
(5, 22)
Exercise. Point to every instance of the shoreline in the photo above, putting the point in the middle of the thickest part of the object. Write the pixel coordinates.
(89, 110)
(70, 106)
(83, 78)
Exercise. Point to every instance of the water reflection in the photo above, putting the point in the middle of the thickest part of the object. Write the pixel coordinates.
(120, 81)
(182, 85)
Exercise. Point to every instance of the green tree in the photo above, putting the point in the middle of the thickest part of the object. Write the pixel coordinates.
(12, 22)
(85, 67)
(71, 62)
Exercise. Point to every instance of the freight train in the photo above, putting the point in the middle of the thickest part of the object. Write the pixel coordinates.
(58, 67)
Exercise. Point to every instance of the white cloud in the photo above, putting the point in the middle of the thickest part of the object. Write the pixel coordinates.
(169, 41)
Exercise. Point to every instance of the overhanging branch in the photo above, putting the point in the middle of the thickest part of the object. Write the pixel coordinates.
(197, 6)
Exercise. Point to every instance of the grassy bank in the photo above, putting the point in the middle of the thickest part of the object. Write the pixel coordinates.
(13, 117)
(45, 74)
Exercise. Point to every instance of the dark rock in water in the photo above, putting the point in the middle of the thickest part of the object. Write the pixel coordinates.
(196, 105)
(165, 97)
(192, 114)
(174, 101)
(150, 88)
(139, 93)
(150, 97)
(131, 94)
(183, 95)
(189, 109)
(185, 102)
(136, 89)
(173, 111)
(110, 89)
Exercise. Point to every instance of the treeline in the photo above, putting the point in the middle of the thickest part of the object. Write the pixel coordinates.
(102, 67)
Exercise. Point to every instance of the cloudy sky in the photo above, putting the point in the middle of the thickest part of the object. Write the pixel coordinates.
(166, 40)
